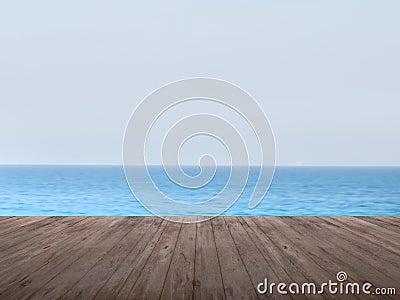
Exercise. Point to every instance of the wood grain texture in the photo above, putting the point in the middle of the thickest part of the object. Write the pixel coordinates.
(222, 258)
(207, 276)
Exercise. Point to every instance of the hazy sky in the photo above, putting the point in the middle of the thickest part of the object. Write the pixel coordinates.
(327, 73)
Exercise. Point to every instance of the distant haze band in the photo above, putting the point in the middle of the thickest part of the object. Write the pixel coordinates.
(229, 96)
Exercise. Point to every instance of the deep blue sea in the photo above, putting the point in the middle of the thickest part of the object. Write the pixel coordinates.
(295, 191)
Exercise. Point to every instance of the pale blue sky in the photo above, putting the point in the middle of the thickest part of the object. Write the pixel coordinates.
(327, 73)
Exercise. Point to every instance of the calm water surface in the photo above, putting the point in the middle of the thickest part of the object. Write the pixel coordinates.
(295, 191)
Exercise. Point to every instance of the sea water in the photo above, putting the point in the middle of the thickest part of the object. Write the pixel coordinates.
(295, 191)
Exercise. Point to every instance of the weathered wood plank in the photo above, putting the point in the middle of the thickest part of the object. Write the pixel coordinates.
(276, 271)
(236, 280)
(27, 244)
(32, 276)
(8, 220)
(301, 268)
(226, 257)
(51, 255)
(384, 223)
(16, 223)
(339, 258)
(363, 233)
(122, 280)
(152, 277)
(179, 281)
(362, 247)
(74, 271)
(106, 266)
(253, 260)
(207, 276)
(373, 229)
(23, 227)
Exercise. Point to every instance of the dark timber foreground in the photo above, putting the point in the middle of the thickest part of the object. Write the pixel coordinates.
(150, 258)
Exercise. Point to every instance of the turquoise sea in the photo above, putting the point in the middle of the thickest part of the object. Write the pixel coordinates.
(295, 191)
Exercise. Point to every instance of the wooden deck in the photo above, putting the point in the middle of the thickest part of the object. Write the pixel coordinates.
(226, 258)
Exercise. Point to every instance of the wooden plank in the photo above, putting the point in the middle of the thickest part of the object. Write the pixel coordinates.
(236, 280)
(299, 266)
(151, 279)
(73, 272)
(21, 224)
(276, 271)
(11, 224)
(364, 233)
(13, 239)
(361, 247)
(345, 255)
(179, 281)
(317, 263)
(207, 276)
(50, 255)
(395, 219)
(363, 226)
(8, 220)
(92, 282)
(383, 222)
(337, 257)
(127, 273)
(31, 277)
(147, 257)
(28, 243)
(253, 260)
(25, 226)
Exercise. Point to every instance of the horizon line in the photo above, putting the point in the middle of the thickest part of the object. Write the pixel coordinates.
(189, 165)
